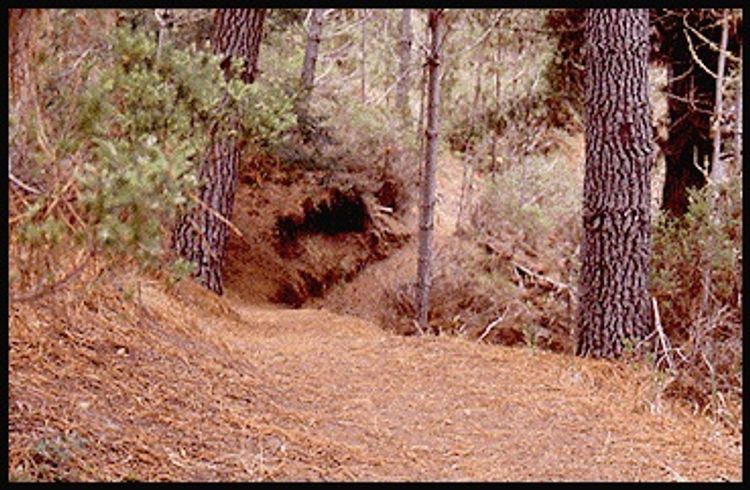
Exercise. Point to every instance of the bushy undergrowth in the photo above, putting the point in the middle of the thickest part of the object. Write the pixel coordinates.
(697, 281)
(132, 141)
(508, 276)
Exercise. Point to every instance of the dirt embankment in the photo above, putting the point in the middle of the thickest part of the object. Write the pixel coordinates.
(305, 232)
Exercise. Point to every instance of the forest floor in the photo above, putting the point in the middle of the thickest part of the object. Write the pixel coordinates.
(204, 388)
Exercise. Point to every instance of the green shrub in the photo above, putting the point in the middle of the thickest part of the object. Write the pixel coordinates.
(707, 335)
(148, 124)
(683, 248)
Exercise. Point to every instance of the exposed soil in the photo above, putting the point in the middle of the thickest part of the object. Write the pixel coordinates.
(305, 233)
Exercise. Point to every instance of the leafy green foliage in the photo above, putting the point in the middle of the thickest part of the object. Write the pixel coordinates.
(149, 122)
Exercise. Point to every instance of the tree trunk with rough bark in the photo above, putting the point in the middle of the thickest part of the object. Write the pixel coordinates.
(311, 51)
(308, 68)
(200, 236)
(615, 308)
(427, 207)
(404, 53)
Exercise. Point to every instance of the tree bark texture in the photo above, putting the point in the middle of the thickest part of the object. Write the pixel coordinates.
(200, 236)
(614, 303)
(21, 30)
(311, 51)
(427, 207)
(404, 54)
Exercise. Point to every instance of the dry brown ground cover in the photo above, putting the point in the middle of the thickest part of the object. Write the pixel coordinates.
(183, 386)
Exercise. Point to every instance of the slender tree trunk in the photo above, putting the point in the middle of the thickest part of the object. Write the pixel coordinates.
(165, 17)
(311, 51)
(363, 53)
(738, 119)
(422, 99)
(718, 171)
(615, 308)
(200, 236)
(691, 95)
(496, 65)
(308, 67)
(403, 82)
(424, 279)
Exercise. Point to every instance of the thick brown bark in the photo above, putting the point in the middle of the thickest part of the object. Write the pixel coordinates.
(200, 236)
(615, 307)
(23, 27)
(427, 207)
(404, 53)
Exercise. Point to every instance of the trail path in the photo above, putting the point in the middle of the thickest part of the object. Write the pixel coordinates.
(425, 408)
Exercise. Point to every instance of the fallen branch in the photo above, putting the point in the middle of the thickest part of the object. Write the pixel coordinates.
(493, 324)
(662, 337)
(23, 185)
(218, 215)
(539, 277)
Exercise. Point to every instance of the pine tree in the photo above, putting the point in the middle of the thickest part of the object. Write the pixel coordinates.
(200, 236)
(615, 306)
(427, 207)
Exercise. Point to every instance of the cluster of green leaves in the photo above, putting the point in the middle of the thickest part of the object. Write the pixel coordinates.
(149, 121)
(147, 124)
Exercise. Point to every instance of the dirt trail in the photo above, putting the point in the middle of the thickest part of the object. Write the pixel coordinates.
(425, 408)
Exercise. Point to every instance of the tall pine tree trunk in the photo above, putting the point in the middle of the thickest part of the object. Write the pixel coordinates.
(614, 307)
(427, 207)
(311, 55)
(363, 58)
(404, 54)
(200, 236)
